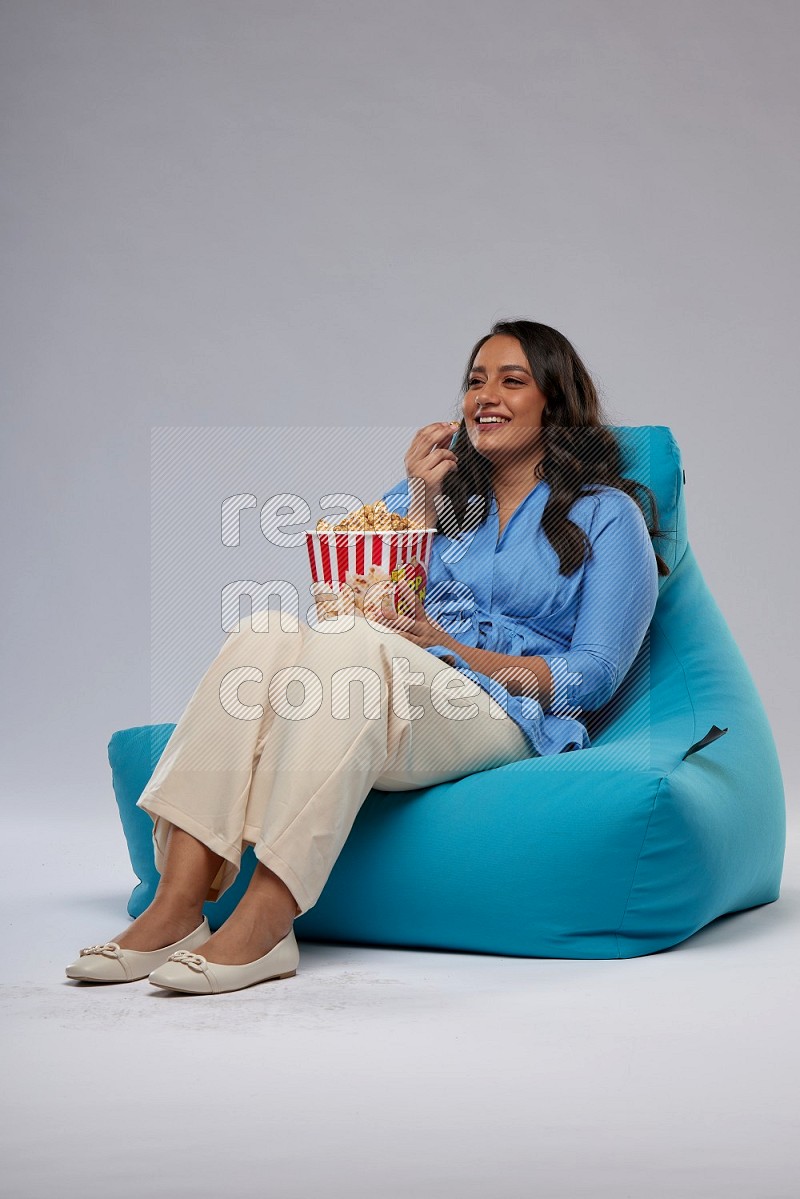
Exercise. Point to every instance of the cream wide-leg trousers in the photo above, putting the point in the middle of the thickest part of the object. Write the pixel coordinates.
(287, 733)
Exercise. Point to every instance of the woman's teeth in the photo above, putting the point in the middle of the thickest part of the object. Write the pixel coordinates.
(492, 420)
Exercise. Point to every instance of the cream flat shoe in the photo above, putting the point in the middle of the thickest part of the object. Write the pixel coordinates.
(110, 964)
(194, 974)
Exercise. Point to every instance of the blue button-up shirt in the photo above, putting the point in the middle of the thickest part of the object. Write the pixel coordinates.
(507, 595)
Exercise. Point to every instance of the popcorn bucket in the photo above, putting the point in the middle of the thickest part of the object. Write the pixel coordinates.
(357, 569)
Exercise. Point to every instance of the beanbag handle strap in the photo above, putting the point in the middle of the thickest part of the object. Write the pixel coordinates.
(712, 735)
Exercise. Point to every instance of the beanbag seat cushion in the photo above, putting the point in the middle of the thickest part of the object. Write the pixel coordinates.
(674, 816)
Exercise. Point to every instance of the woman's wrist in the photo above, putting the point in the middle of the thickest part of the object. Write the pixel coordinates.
(444, 638)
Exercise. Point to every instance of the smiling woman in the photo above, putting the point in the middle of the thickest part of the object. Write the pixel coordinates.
(541, 598)
(547, 539)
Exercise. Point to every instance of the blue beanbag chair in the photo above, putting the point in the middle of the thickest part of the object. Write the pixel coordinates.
(674, 815)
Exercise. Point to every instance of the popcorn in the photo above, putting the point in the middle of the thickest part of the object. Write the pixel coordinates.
(370, 518)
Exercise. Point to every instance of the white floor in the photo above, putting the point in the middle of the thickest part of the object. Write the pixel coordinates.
(384, 1073)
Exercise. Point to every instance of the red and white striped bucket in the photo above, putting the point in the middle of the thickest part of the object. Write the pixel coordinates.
(361, 567)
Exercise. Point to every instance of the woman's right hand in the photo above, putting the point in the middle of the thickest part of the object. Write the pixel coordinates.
(429, 459)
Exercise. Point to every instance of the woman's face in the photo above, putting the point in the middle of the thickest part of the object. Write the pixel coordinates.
(501, 386)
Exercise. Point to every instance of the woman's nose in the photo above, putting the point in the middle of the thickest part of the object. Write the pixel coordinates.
(485, 395)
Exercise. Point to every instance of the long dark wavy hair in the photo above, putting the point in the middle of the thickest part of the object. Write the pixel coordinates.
(580, 448)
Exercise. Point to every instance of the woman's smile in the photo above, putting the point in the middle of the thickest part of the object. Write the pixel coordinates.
(491, 422)
(491, 419)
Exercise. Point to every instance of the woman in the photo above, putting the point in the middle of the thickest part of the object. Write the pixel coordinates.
(542, 584)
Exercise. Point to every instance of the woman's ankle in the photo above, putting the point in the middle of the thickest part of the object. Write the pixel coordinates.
(176, 907)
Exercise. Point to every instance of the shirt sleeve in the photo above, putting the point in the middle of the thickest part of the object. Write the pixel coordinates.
(616, 603)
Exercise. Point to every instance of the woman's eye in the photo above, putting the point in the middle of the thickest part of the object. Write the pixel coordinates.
(510, 379)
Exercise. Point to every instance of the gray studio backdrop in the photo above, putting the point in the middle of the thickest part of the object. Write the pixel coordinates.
(251, 215)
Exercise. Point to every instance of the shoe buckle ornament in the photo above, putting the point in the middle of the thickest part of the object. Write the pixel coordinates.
(109, 950)
(195, 961)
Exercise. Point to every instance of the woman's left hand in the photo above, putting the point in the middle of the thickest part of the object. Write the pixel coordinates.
(415, 625)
